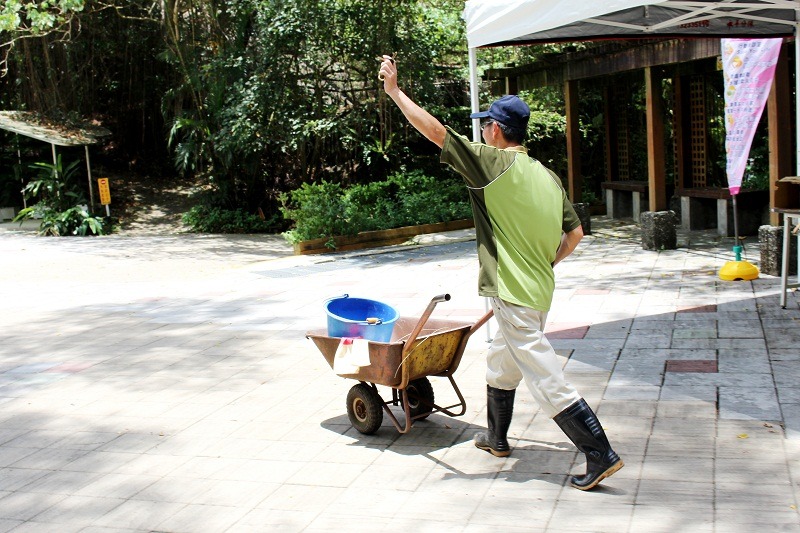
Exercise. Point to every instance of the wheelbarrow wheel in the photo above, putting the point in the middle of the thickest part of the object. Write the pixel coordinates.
(364, 408)
(420, 398)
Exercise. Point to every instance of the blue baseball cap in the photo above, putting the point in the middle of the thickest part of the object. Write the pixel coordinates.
(509, 110)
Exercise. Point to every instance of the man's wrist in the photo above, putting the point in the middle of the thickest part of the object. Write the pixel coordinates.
(395, 93)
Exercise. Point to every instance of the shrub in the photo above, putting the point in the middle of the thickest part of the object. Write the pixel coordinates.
(371, 206)
(74, 221)
(206, 219)
(430, 200)
(404, 199)
(317, 210)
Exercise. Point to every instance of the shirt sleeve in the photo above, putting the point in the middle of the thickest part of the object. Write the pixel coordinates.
(570, 219)
(478, 163)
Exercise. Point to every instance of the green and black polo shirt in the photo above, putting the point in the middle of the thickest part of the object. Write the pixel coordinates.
(520, 211)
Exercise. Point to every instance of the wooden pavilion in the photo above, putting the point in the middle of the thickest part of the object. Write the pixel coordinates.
(693, 66)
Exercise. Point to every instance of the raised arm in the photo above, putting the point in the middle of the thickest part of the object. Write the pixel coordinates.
(424, 122)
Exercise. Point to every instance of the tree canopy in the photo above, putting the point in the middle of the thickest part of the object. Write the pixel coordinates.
(23, 19)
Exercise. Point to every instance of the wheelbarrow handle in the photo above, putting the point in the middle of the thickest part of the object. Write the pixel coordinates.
(463, 344)
(412, 337)
(481, 321)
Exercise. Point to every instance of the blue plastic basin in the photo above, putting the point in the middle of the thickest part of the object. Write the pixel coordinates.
(352, 317)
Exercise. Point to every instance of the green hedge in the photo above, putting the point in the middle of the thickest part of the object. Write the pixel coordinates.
(207, 219)
(405, 199)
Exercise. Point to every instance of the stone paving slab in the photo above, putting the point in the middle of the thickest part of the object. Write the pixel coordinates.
(164, 383)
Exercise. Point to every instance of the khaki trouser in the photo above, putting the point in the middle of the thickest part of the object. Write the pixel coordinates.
(520, 351)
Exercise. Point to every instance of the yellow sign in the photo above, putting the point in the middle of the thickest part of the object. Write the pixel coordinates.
(105, 193)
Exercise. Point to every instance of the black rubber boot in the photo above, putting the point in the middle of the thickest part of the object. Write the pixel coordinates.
(581, 425)
(499, 407)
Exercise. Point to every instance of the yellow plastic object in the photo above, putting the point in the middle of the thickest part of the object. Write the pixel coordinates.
(738, 270)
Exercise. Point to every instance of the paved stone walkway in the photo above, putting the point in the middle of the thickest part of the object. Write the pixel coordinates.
(164, 383)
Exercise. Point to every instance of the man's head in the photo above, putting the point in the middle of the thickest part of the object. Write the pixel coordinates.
(511, 115)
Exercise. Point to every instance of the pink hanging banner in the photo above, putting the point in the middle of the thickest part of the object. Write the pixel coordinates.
(748, 66)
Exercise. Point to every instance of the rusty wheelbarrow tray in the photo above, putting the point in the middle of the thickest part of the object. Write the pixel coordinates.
(418, 348)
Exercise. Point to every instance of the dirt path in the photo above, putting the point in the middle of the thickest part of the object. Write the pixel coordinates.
(151, 205)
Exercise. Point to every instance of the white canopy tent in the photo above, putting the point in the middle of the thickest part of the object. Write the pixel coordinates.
(518, 22)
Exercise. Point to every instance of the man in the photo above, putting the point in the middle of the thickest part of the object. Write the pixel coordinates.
(524, 226)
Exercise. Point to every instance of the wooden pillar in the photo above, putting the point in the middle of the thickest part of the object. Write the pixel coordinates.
(780, 139)
(656, 171)
(610, 119)
(683, 139)
(574, 178)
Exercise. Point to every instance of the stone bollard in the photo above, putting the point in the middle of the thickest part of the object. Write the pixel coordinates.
(770, 242)
(582, 210)
(659, 230)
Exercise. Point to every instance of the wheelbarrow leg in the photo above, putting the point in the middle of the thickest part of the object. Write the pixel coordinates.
(406, 409)
(435, 408)
(461, 402)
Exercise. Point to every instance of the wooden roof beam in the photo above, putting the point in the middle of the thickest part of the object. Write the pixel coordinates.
(599, 62)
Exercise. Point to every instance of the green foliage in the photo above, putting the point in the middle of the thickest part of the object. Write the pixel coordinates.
(547, 139)
(21, 19)
(61, 202)
(317, 211)
(187, 138)
(589, 197)
(404, 199)
(756, 173)
(275, 94)
(546, 125)
(254, 97)
(206, 219)
(73, 221)
(55, 186)
(17, 16)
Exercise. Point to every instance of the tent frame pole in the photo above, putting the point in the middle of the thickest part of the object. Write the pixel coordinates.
(474, 93)
(475, 104)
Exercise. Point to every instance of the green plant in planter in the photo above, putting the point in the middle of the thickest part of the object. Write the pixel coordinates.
(327, 210)
(61, 204)
(317, 210)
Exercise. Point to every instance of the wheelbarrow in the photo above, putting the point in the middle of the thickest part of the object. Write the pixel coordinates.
(419, 348)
